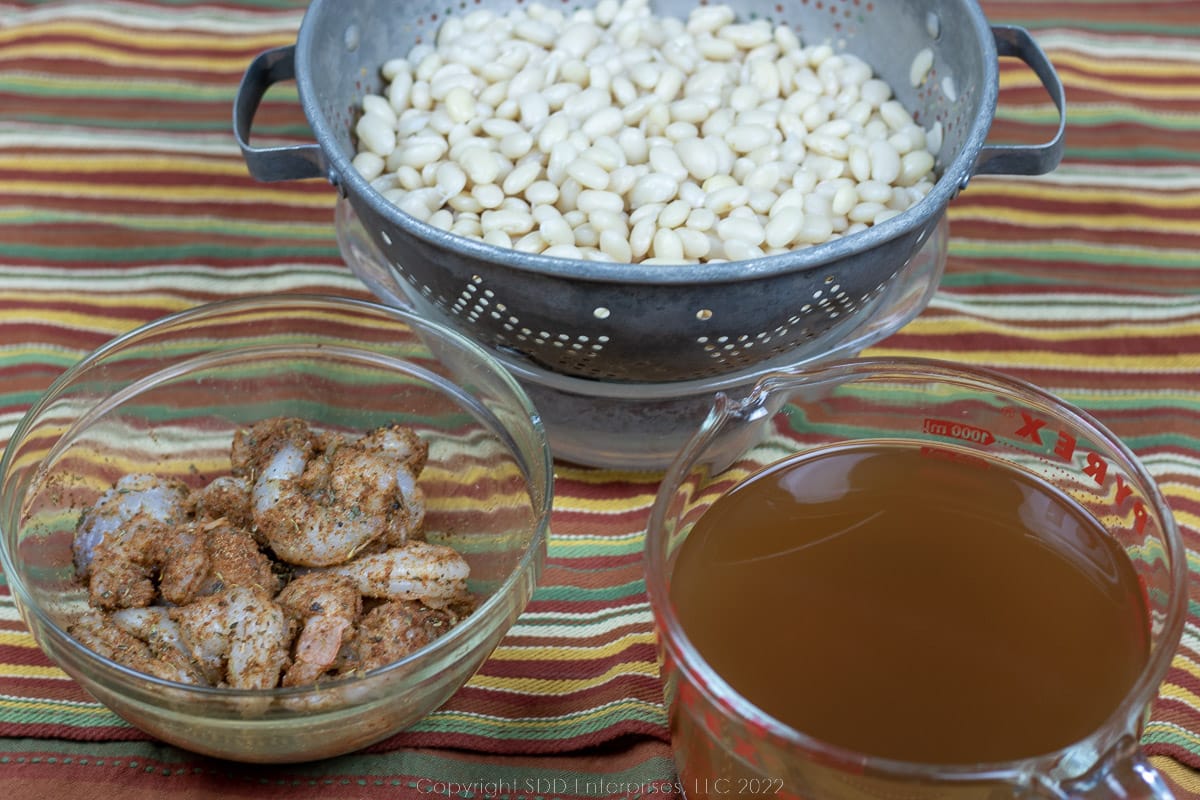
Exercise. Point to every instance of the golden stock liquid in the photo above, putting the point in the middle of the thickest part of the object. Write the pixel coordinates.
(907, 604)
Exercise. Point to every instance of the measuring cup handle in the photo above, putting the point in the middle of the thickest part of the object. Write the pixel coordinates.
(1022, 159)
(1125, 773)
(272, 163)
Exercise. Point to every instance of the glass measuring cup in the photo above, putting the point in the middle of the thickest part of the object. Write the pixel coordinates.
(725, 746)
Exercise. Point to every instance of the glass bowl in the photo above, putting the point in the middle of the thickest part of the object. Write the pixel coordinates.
(978, 419)
(622, 424)
(166, 399)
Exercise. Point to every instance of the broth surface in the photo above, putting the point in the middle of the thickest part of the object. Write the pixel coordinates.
(904, 603)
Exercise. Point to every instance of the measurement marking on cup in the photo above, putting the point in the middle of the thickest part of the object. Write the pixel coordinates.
(1064, 445)
(958, 430)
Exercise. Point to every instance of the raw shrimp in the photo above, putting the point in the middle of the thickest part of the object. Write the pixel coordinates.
(185, 585)
(225, 497)
(434, 574)
(240, 634)
(202, 558)
(121, 572)
(103, 634)
(329, 605)
(154, 626)
(401, 446)
(394, 629)
(145, 496)
(318, 508)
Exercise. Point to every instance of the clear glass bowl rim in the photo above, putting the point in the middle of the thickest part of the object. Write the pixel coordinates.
(464, 630)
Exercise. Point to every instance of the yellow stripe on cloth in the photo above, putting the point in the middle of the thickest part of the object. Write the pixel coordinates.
(1044, 218)
(1179, 92)
(576, 653)
(136, 39)
(221, 194)
(161, 61)
(562, 686)
(1033, 359)
(600, 712)
(1183, 776)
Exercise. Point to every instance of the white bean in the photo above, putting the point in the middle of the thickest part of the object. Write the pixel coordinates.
(521, 178)
(665, 160)
(814, 229)
(603, 220)
(667, 245)
(376, 133)
(530, 243)
(649, 211)
(369, 165)
(516, 144)
(641, 237)
(698, 157)
(556, 231)
(450, 179)
(589, 174)
(922, 63)
(498, 238)
(746, 230)
(845, 197)
(701, 219)
(895, 115)
(674, 214)
(874, 192)
(542, 193)
(616, 246)
(563, 251)
(782, 229)
(489, 195)
(859, 162)
(914, 166)
(653, 188)
(885, 162)
(744, 138)
(479, 164)
(605, 122)
(612, 134)
(696, 244)
(421, 150)
(865, 212)
(737, 250)
(723, 200)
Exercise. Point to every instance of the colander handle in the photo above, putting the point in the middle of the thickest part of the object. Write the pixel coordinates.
(269, 164)
(1020, 159)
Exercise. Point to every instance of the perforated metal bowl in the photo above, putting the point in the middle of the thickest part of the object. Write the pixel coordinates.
(642, 425)
(626, 322)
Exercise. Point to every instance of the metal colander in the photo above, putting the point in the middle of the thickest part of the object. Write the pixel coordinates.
(629, 322)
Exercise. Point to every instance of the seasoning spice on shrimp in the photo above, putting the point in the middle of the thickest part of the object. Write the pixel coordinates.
(307, 563)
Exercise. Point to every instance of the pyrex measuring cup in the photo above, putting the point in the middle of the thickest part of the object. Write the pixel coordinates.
(725, 746)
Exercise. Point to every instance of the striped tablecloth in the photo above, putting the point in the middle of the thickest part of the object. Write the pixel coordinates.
(123, 198)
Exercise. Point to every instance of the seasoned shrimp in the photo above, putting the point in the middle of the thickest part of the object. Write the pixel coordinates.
(434, 574)
(202, 558)
(154, 626)
(144, 496)
(102, 633)
(329, 606)
(394, 629)
(318, 508)
(401, 447)
(121, 572)
(226, 497)
(240, 634)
